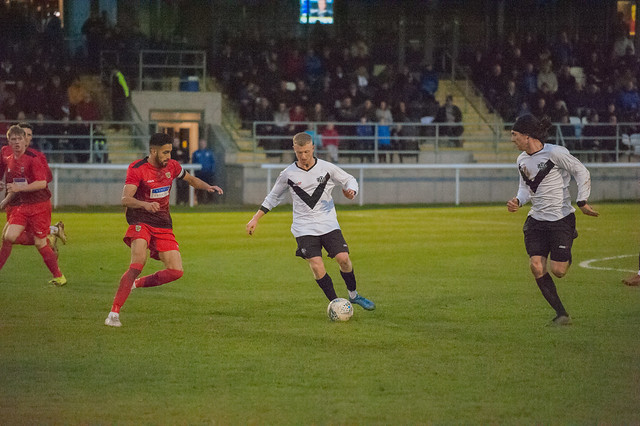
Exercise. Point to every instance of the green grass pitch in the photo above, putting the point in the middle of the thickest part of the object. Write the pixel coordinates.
(459, 334)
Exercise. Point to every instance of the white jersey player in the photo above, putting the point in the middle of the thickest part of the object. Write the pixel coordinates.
(550, 228)
(310, 182)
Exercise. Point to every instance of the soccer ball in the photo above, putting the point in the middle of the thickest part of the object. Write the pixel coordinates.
(339, 310)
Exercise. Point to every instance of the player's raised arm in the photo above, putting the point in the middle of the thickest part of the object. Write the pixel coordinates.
(198, 183)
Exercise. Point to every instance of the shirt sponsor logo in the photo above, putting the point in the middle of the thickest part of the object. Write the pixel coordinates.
(161, 192)
(151, 181)
(20, 181)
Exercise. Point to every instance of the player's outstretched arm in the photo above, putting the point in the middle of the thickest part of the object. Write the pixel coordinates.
(513, 204)
(198, 183)
(589, 211)
(253, 223)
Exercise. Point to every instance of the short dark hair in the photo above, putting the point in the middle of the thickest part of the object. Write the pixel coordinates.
(25, 125)
(159, 139)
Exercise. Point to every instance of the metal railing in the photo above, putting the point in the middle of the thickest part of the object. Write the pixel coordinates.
(86, 141)
(612, 142)
(166, 70)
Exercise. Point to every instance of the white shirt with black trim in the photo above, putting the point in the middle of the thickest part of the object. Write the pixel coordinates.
(544, 180)
(314, 212)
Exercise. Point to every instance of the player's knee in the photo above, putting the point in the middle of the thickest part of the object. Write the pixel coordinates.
(174, 274)
(559, 271)
(343, 260)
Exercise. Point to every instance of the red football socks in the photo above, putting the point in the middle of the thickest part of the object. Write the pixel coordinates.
(159, 278)
(124, 289)
(50, 260)
(5, 251)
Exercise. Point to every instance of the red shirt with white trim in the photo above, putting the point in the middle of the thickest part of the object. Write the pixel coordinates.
(30, 167)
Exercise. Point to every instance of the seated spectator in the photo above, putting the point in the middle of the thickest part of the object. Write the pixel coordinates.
(365, 141)
(302, 94)
(330, 141)
(577, 100)
(628, 101)
(592, 134)
(540, 109)
(368, 110)
(594, 68)
(297, 116)
(80, 142)
(317, 113)
(57, 98)
(621, 45)
(263, 112)
(406, 133)
(558, 111)
(248, 95)
(282, 121)
(357, 96)
(88, 109)
(595, 100)
(610, 135)
(429, 81)
(529, 81)
(546, 75)
(450, 114)
(510, 102)
(568, 132)
(563, 50)
(566, 81)
(494, 86)
(10, 108)
(383, 112)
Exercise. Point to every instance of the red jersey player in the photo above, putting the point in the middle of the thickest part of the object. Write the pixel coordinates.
(146, 198)
(56, 232)
(29, 206)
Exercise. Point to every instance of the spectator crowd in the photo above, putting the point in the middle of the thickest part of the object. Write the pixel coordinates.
(584, 85)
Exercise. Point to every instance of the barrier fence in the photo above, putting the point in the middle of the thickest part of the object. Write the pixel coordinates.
(360, 168)
(56, 167)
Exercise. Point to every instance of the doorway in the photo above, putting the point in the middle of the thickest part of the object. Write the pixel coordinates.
(185, 125)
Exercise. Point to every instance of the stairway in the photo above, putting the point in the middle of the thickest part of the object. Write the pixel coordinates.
(484, 134)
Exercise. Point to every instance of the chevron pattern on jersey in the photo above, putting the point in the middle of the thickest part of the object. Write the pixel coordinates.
(542, 173)
(310, 200)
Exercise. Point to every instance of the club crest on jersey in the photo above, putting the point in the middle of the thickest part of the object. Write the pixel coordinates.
(168, 174)
(322, 179)
(161, 192)
(138, 228)
(542, 165)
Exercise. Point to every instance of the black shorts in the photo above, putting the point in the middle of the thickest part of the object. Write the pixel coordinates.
(543, 237)
(311, 245)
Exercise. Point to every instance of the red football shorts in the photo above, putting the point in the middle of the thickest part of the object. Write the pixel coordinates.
(35, 217)
(158, 239)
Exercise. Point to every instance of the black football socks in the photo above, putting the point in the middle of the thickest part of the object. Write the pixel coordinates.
(326, 284)
(548, 289)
